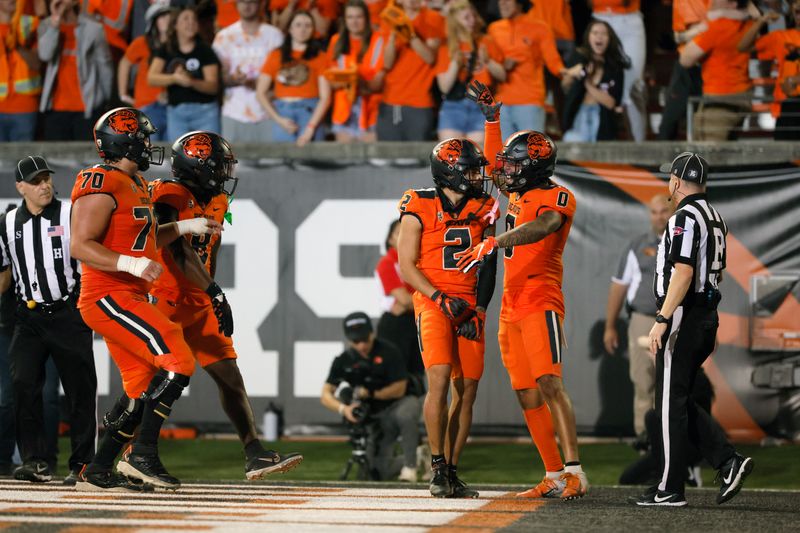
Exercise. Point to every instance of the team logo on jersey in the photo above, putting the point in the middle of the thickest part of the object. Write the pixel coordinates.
(450, 151)
(124, 121)
(198, 146)
(677, 231)
(538, 146)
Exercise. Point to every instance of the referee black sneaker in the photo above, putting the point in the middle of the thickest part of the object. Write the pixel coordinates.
(732, 475)
(147, 468)
(34, 470)
(270, 462)
(108, 481)
(661, 499)
(440, 482)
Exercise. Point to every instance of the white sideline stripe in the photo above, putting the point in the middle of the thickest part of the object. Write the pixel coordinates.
(219, 526)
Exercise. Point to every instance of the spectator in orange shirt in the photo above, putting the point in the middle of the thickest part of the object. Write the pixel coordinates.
(375, 7)
(688, 21)
(725, 71)
(783, 47)
(150, 100)
(227, 13)
(558, 15)
(359, 52)
(115, 16)
(302, 94)
(626, 19)
(79, 74)
(594, 99)
(527, 46)
(323, 12)
(189, 69)
(468, 55)
(20, 81)
(407, 112)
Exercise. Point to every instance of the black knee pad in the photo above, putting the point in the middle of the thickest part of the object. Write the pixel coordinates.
(165, 388)
(124, 418)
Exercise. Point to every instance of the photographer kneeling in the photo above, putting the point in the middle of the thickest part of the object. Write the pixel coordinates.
(376, 372)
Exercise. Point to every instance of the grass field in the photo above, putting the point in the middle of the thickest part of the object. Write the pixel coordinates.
(506, 464)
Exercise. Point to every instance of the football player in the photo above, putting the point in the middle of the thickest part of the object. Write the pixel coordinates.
(539, 217)
(202, 168)
(115, 236)
(436, 225)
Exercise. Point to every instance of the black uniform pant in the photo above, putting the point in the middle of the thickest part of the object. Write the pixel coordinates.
(63, 336)
(686, 344)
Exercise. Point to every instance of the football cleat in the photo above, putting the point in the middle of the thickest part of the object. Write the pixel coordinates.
(575, 486)
(35, 471)
(461, 489)
(732, 475)
(547, 488)
(661, 499)
(440, 482)
(147, 468)
(270, 462)
(108, 481)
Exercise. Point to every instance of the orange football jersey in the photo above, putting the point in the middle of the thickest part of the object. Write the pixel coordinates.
(180, 198)
(533, 272)
(447, 234)
(131, 229)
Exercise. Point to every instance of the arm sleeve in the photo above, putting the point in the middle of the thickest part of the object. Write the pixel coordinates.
(765, 47)
(487, 274)
(683, 248)
(492, 143)
(164, 192)
(410, 204)
(549, 51)
(706, 39)
(336, 373)
(94, 180)
(627, 266)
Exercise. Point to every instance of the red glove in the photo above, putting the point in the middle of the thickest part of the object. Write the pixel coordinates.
(452, 308)
(474, 255)
(472, 328)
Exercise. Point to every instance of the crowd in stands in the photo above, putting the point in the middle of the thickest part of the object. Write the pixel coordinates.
(396, 70)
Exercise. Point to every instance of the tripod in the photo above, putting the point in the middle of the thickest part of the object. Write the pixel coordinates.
(358, 455)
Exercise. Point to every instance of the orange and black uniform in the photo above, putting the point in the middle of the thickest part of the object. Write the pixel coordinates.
(446, 232)
(532, 311)
(140, 338)
(178, 298)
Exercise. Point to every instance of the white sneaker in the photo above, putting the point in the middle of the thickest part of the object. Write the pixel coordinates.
(409, 474)
(424, 461)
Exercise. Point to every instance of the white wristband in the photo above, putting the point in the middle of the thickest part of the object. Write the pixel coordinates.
(341, 408)
(195, 226)
(132, 265)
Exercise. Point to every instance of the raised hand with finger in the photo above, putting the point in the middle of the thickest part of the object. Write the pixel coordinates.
(481, 95)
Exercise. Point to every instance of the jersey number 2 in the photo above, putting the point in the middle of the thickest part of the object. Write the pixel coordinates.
(456, 240)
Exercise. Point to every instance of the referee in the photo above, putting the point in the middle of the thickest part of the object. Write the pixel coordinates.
(689, 265)
(34, 241)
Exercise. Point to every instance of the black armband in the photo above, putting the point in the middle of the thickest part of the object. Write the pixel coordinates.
(487, 273)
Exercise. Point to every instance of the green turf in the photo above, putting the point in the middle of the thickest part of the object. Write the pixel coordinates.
(776, 467)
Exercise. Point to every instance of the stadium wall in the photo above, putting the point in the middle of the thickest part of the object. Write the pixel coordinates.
(305, 235)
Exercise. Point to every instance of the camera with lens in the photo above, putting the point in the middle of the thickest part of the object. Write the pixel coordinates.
(356, 376)
(360, 431)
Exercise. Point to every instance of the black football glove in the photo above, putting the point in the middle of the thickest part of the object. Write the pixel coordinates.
(222, 309)
(481, 95)
(472, 328)
(452, 308)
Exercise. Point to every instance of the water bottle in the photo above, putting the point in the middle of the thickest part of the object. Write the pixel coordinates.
(270, 424)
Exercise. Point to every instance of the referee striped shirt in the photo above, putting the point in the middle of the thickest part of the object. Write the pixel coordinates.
(37, 249)
(695, 236)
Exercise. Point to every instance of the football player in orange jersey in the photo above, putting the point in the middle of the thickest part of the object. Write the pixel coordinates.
(450, 307)
(115, 236)
(202, 166)
(540, 214)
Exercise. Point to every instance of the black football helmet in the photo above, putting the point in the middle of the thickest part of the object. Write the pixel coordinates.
(528, 158)
(205, 161)
(451, 161)
(125, 132)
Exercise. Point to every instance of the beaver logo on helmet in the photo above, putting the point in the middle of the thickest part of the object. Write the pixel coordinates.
(124, 121)
(199, 146)
(538, 146)
(450, 152)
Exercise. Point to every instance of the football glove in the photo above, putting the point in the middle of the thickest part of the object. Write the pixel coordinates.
(472, 328)
(481, 95)
(475, 255)
(452, 308)
(222, 309)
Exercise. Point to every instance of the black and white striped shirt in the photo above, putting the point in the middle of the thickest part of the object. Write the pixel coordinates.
(37, 249)
(695, 236)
